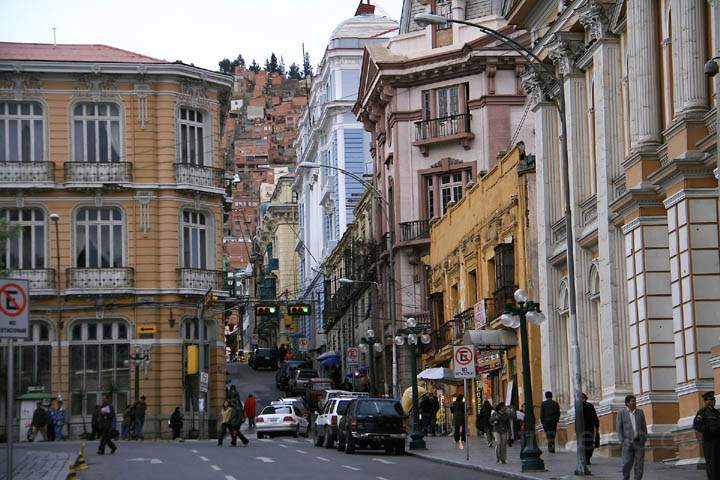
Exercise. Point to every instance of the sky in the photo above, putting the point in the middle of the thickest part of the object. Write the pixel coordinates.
(198, 32)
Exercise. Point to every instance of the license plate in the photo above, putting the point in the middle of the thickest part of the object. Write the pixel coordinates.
(273, 420)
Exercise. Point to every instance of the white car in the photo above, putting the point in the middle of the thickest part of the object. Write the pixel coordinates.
(326, 423)
(282, 418)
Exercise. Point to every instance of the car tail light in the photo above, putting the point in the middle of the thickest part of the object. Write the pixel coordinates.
(353, 425)
(259, 420)
(333, 420)
(288, 419)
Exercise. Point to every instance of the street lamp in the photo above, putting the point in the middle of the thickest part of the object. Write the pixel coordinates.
(367, 343)
(552, 88)
(141, 356)
(513, 317)
(391, 258)
(412, 333)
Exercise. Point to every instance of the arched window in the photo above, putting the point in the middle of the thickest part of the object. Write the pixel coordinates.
(563, 350)
(196, 236)
(99, 364)
(192, 136)
(26, 248)
(96, 132)
(99, 237)
(22, 132)
(593, 381)
(33, 358)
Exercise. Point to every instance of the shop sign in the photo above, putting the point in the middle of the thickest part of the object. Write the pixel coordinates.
(480, 314)
(487, 361)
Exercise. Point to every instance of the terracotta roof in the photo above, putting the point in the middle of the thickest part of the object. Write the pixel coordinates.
(71, 53)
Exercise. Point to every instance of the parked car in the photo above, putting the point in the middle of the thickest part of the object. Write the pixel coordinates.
(277, 419)
(286, 371)
(299, 381)
(314, 391)
(326, 423)
(372, 423)
(265, 358)
(330, 394)
(296, 402)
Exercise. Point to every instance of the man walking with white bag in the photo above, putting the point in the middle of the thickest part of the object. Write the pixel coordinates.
(632, 432)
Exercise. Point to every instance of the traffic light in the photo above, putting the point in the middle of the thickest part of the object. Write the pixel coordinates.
(192, 360)
(299, 309)
(265, 309)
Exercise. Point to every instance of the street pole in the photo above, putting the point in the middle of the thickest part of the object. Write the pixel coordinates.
(10, 409)
(55, 218)
(416, 442)
(465, 416)
(201, 349)
(530, 455)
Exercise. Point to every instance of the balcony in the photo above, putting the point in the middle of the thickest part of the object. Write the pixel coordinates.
(443, 129)
(38, 278)
(100, 278)
(98, 173)
(271, 265)
(502, 296)
(193, 176)
(20, 174)
(199, 279)
(415, 230)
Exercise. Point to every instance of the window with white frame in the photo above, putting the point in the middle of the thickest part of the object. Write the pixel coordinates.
(25, 249)
(195, 232)
(430, 196)
(99, 237)
(447, 101)
(192, 139)
(451, 189)
(33, 359)
(444, 9)
(96, 132)
(22, 132)
(99, 363)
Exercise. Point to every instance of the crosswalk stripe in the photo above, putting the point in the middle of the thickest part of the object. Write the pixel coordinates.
(229, 477)
(194, 451)
(215, 467)
(204, 459)
(351, 468)
(300, 451)
(382, 460)
(283, 446)
(323, 459)
(381, 478)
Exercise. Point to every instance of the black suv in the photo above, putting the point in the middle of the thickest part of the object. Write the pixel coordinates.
(265, 358)
(373, 423)
(286, 372)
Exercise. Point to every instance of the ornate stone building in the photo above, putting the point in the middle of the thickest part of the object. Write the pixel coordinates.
(642, 142)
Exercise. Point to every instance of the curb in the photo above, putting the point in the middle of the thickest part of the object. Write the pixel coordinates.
(478, 468)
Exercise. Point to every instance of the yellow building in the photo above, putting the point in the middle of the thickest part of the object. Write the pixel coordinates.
(481, 251)
(110, 169)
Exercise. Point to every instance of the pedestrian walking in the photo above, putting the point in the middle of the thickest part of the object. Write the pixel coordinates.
(591, 428)
(482, 422)
(250, 411)
(632, 432)
(50, 428)
(428, 413)
(59, 420)
(128, 423)
(176, 423)
(233, 395)
(549, 418)
(238, 418)
(107, 414)
(95, 423)
(501, 422)
(140, 409)
(425, 413)
(707, 422)
(226, 417)
(458, 415)
(39, 422)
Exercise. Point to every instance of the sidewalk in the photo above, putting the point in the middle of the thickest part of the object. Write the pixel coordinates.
(35, 464)
(558, 465)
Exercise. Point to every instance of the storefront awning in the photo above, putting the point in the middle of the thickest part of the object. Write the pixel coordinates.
(490, 339)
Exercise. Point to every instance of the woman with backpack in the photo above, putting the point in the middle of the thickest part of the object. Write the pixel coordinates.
(500, 421)
(482, 422)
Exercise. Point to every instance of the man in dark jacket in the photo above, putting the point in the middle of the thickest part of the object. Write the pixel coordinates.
(707, 422)
(458, 415)
(176, 423)
(140, 408)
(39, 422)
(95, 423)
(236, 421)
(549, 418)
(591, 428)
(107, 415)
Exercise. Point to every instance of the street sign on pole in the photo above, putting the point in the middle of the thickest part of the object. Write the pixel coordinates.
(303, 344)
(14, 308)
(464, 362)
(204, 381)
(353, 355)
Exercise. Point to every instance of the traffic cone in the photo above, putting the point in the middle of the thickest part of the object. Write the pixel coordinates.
(80, 463)
(72, 474)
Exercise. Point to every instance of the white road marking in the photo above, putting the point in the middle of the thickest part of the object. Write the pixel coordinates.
(323, 459)
(204, 459)
(355, 469)
(300, 451)
(136, 460)
(265, 459)
(215, 467)
(309, 440)
(229, 477)
(381, 478)
(290, 440)
(265, 440)
(194, 451)
(154, 461)
(382, 460)
(283, 446)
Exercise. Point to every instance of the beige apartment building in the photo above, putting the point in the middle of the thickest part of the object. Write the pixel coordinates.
(111, 171)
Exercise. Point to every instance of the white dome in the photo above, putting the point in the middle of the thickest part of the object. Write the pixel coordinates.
(365, 26)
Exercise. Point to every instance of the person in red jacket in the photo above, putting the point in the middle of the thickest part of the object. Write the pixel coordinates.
(250, 411)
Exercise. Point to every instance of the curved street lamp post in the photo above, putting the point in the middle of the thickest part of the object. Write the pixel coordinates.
(414, 333)
(371, 345)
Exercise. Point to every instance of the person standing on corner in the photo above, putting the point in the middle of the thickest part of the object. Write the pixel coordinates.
(435, 407)
(233, 395)
(549, 418)
(95, 423)
(107, 414)
(39, 422)
(458, 413)
(59, 421)
(707, 422)
(226, 417)
(591, 425)
(482, 422)
(176, 423)
(632, 432)
(238, 418)
(250, 411)
(501, 421)
(140, 408)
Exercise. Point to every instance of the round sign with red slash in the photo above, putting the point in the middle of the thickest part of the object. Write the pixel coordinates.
(13, 300)
(464, 356)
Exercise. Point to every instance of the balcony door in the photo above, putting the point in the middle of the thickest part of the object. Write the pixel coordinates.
(99, 238)
(96, 132)
(22, 132)
(25, 249)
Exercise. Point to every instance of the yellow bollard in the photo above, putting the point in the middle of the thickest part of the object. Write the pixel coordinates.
(80, 462)
(72, 475)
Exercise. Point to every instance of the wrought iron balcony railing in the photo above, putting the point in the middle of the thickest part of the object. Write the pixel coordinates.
(199, 176)
(18, 173)
(199, 279)
(38, 278)
(442, 127)
(98, 172)
(415, 230)
(100, 278)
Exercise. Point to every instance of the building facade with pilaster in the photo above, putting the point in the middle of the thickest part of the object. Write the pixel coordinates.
(642, 140)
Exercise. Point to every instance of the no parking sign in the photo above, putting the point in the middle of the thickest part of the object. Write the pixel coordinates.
(464, 362)
(14, 308)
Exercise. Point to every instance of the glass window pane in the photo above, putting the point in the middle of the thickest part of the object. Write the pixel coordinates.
(77, 332)
(26, 254)
(203, 249)
(2, 141)
(44, 366)
(183, 144)
(117, 246)
(79, 141)
(91, 399)
(13, 138)
(104, 214)
(122, 370)
(102, 109)
(90, 134)
(114, 110)
(115, 141)
(108, 364)
(92, 367)
(105, 246)
(25, 140)
(39, 146)
(39, 247)
(76, 406)
(27, 369)
(122, 331)
(44, 333)
(186, 248)
(92, 331)
(14, 253)
(191, 140)
(201, 156)
(93, 237)
(103, 141)
(80, 253)
(183, 114)
(12, 108)
(78, 110)
(24, 108)
(76, 366)
(107, 331)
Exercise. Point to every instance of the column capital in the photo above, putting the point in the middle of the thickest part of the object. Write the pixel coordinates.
(537, 88)
(565, 48)
(596, 16)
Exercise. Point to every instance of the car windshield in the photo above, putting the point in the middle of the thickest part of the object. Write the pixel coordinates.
(277, 410)
(321, 385)
(264, 351)
(377, 407)
(307, 374)
(342, 406)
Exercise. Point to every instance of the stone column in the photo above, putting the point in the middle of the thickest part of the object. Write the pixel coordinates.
(644, 73)
(688, 47)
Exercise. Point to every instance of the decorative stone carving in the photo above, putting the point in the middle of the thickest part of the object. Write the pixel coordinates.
(17, 85)
(564, 51)
(95, 85)
(595, 17)
(194, 93)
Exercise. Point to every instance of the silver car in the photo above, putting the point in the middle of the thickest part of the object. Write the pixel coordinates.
(278, 419)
